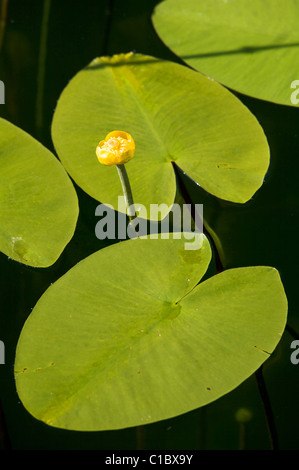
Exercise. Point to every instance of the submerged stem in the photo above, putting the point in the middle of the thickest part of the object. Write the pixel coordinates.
(123, 175)
(3, 20)
(268, 409)
(41, 64)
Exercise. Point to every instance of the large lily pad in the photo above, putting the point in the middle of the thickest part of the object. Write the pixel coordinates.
(175, 115)
(127, 337)
(251, 47)
(38, 203)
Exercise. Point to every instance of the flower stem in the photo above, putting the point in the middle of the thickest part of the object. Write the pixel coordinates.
(123, 175)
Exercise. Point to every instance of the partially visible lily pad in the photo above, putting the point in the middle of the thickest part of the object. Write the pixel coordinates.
(128, 336)
(175, 116)
(38, 202)
(251, 47)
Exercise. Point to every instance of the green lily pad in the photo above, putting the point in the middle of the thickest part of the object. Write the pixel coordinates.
(127, 337)
(251, 47)
(38, 203)
(175, 115)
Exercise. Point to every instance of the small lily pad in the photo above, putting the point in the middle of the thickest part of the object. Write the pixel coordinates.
(38, 203)
(251, 47)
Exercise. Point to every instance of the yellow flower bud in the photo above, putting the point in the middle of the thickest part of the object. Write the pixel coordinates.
(117, 148)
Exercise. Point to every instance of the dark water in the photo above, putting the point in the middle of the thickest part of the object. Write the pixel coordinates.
(262, 232)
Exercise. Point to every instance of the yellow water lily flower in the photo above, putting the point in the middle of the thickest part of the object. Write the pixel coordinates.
(117, 148)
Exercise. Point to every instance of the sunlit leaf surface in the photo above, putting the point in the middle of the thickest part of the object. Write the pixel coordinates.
(38, 203)
(127, 337)
(251, 47)
(175, 116)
